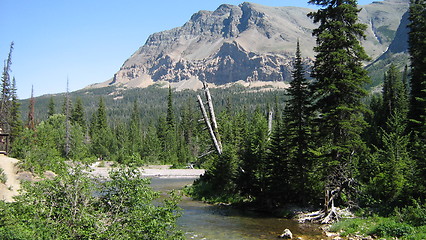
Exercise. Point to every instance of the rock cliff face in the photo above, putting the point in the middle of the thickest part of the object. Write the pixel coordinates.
(248, 42)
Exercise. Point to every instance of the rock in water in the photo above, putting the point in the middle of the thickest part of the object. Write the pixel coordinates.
(286, 234)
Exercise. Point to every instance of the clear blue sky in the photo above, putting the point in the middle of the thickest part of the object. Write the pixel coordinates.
(88, 40)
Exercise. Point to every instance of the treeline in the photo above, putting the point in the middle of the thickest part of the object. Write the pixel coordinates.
(332, 144)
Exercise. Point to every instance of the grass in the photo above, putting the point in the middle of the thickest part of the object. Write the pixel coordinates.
(382, 227)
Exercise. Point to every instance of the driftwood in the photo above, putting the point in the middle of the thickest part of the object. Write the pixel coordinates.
(337, 182)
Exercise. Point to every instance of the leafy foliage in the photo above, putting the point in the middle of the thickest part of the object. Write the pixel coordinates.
(73, 206)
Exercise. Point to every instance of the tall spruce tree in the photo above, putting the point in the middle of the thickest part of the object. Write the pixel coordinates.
(16, 126)
(51, 108)
(170, 118)
(338, 87)
(77, 114)
(298, 117)
(31, 117)
(417, 49)
(100, 132)
(417, 113)
(395, 99)
(6, 93)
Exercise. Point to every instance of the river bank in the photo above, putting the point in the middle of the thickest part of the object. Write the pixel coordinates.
(101, 169)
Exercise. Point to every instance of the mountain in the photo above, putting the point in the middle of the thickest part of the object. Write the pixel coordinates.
(248, 42)
(396, 54)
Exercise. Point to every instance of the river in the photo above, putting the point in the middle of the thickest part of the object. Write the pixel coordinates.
(201, 221)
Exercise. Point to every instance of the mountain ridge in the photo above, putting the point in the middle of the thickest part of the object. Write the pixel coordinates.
(248, 42)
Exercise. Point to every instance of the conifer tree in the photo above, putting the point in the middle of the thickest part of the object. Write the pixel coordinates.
(298, 118)
(395, 170)
(6, 93)
(31, 118)
(51, 107)
(170, 118)
(100, 132)
(338, 87)
(417, 112)
(135, 132)
(77, 115)
(16, 123)
(278, 171)
(417, 49)
(395, 97)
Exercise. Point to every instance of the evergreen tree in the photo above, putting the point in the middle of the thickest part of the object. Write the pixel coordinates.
(16, 121)
(395, 97)
(51, 109)
(252, 177)
(6, 94)
(279, 171)
(394, 172)
(298, 119)
(170, 118)
(31, 118)
(100, 132)
(135, 133)
(77, 115)
(338, 87)
(417, 49)
(417, 112)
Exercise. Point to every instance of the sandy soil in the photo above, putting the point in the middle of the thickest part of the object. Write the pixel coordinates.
(12, 185)
(10, 189)
(159, 171)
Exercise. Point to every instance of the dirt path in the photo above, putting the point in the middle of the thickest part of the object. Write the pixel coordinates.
(10, 189)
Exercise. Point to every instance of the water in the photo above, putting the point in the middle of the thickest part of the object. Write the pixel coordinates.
(201, 221)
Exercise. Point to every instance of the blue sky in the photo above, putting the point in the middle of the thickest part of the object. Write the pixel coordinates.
(87, 41)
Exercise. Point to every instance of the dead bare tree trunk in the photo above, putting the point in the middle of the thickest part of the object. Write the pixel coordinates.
(209, 126)
(212, 114)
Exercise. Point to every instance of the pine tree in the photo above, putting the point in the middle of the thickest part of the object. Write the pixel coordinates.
(395, 97)
(253, 177)
(298, 118)
(51, 108)
(279, 170)
(31, 118)
(417, 112)
(135, 132)
(77, 115)
(338, 87)
(67, 145)
(16, 123)
(417, 49)
(395, 170)
(100, 132)
(170, 118)
(6, 94)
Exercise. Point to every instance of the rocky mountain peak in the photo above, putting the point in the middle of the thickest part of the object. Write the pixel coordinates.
(249, 42)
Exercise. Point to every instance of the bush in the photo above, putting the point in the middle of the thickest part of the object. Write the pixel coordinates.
(414, 215)
(74, 206)
(390, 228)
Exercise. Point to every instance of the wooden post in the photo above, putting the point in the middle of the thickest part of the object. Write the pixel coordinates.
(209, 126)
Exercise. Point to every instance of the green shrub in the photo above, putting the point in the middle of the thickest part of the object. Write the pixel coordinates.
(352, 226)
(414, 215)
(390, 228)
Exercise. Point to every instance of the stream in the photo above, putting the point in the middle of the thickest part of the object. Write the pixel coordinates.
(202, 221)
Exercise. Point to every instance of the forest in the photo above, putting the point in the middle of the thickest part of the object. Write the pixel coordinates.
(332, 144)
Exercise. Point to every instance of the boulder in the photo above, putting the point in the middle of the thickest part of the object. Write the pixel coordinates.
(286, 234)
